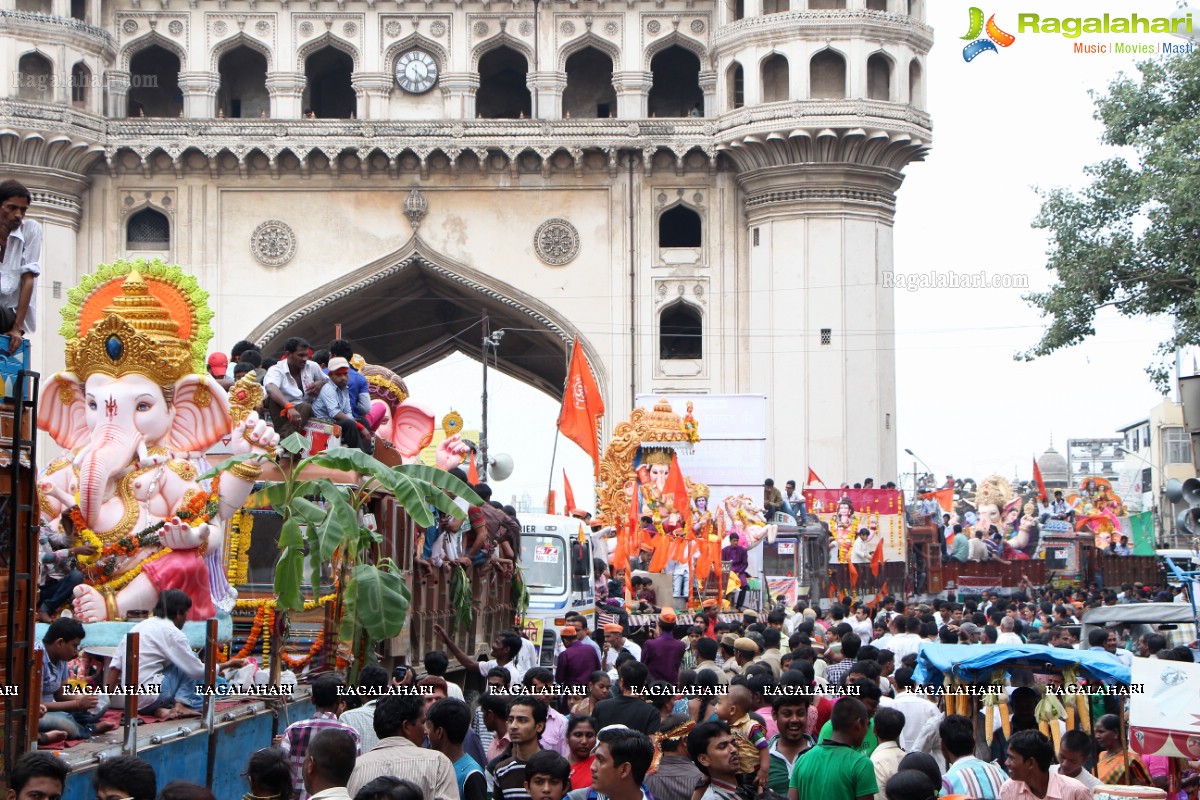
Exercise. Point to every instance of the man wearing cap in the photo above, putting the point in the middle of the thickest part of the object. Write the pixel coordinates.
(745, 650)
(218, 367)
(576, 662)
(969, 633)
(730, 666)
(664, 655)
(615, 643)
(712, 611)
(334, 404)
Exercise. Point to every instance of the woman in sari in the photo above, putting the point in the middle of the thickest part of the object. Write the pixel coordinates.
(1116, 765)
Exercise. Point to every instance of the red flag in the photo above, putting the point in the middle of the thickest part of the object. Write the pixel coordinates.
(944, 497)
(582, 407)
(813, 478)
(1041, 484)
(472, 471)
(853, 577)
(676, 487)
(877, 558)
(550, 502)
(568, 495)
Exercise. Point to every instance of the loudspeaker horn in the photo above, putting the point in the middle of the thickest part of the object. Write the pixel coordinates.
(1191, 491)
(1189, 521)
(1174, 490)
(501, 466)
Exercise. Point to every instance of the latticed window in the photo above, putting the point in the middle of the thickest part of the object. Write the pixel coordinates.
(148, 230)
(1179, 446)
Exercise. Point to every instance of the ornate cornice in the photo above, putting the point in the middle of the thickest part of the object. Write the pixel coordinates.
(792, 197)
(823, 25)
(49, 28)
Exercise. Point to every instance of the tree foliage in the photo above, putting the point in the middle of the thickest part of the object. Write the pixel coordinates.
(1131, 239)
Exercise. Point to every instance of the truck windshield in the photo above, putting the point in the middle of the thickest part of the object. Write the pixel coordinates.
(544, 561)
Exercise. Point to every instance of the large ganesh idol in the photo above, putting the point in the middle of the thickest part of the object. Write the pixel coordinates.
(403, 427)
(132, 406)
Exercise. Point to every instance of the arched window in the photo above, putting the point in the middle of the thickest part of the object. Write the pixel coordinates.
(675, 91)
(916, 85)
(739, 9)
(148, 230)
(680, 332)
(877, 5)
(328, 92)
(680, 226)
(34, 77)
(775, 79)
(81, 84)
(503, 85)
(827, 75)
(735, 86)
(879, 77)
(79, 10)
(826, 5)
(154, 83)
(243, 91)
(589, 93)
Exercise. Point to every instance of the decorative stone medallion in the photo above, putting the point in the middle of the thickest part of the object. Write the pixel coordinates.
(697, 26)
(262, 27)
(480, 28)
(175, 27)
(438, 29)
(653, 26)
(392, 28)
(219, 28)
(611, 28)
(129, 26)
(568, 28)
(306, 28)
(273, 243)
(349, 29)
(556, 242)
(526, 28)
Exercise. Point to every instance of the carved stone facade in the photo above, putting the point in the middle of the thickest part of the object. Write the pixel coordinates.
(702, 192)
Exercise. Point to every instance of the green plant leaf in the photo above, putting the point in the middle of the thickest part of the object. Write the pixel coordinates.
(309, 512)
(288, 575)
(294, 443)
(340, 523)
(272, 495)
(349, 459)
(416, 486)
(226, 465)
(290, 534)
(381, 600)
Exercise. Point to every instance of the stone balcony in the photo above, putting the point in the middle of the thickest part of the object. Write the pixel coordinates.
(823, 25)
(49, 29)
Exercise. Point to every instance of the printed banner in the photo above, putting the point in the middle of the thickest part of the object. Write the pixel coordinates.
(532, 629)
(1162, 721)
(880, 511)
(783, 588)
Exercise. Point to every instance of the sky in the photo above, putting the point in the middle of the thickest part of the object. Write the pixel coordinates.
(1003, 125)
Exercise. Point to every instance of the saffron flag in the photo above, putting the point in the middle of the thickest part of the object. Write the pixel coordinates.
(582, 407)
(944, 497)
(813, 478)
(633, 545)
(1041, 484)
(853, 576)
(678, 489)
(568, 495)
(877, 558)
(472, 470)
(550, 502)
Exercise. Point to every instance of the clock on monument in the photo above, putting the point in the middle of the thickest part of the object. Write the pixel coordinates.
(416, 71)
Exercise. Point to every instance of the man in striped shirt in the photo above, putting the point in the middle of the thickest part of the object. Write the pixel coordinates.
(400, 726)
(967, 775)
(526, 721)
(326, 696)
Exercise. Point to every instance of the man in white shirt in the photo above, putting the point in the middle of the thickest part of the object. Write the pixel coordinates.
(917, 708)
(328, 765)
(1008, 635)
(506, 647)
(372, 678)
(401, 721)
(908, 641)
(614, 643)
(164, 658)
(291, 386)
(977, 549)
(794, 504)
(20, 264)
(861, 624)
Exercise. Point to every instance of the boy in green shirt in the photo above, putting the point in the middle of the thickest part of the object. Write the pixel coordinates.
(868, 695)
(836, 769)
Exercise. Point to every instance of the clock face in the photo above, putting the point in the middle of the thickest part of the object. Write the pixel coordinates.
(416, 71)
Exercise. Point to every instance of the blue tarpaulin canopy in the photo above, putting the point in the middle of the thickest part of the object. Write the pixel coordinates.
(975, 663)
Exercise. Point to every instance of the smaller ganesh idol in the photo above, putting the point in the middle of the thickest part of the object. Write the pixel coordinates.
(133, 403)
(844, 529)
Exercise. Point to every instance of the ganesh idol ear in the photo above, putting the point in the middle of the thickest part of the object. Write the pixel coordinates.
(61, 411)
(201, 414)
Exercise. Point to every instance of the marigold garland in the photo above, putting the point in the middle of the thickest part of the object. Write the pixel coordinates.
(241, 527)
(297, 663)
(116, 584)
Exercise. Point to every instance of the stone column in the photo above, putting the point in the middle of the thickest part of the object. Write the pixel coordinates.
(818, 238)
(633, 93)
(287, 94)
(458, 89)
(547, 88)
(118, 93)
(708, 85)
(372, 89)
(199, 94)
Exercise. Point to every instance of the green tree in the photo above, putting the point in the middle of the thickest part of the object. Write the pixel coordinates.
(1131, 239)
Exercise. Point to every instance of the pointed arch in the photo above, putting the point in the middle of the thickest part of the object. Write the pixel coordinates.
(589, 91)
(881, 76)
(150, 39)
(827, 74)
(588, 39)
(775, 77)
(735, 86)
(35, 73)
(502, 39)
(81, 84)
(436, 295)
(676, 38)
(327, 39)
(396, 49)
(679, 224)
(232, 43)
(681, 330)
(916, 83)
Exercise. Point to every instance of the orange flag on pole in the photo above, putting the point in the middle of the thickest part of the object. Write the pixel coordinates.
(550, 502)
(944, 497)
(1041, 484)
(812, 478)
(877, 558)
(568, 495)
(582, 407)
(472, 470)
(676, 487)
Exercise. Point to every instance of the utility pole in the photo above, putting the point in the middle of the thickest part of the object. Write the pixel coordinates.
(483, 443)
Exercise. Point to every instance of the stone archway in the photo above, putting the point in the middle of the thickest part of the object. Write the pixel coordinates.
(413, 307)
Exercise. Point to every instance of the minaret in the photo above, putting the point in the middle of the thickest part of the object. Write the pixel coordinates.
(823, 108)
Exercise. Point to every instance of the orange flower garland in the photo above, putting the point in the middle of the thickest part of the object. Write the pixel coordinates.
(297, 663)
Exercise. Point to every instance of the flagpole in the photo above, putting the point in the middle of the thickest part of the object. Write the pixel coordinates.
(553, 456)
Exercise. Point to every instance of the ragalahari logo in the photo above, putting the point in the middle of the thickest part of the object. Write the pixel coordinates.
(994, 37)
